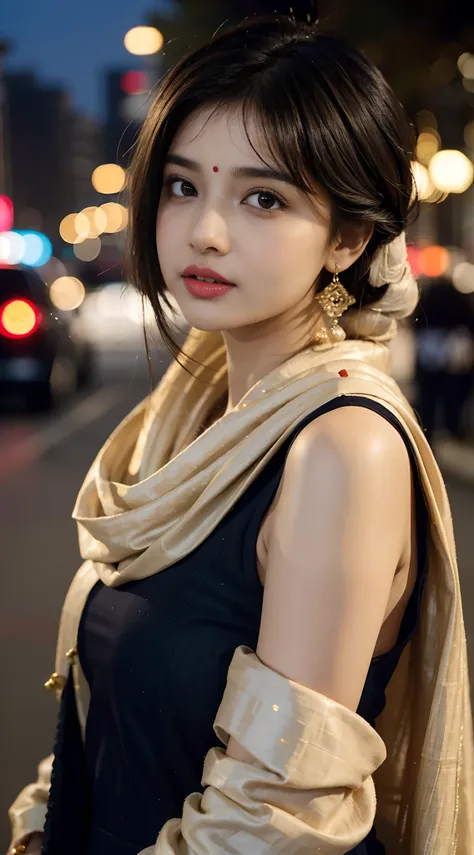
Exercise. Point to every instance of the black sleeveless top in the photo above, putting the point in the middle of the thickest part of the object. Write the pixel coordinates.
(155, 653)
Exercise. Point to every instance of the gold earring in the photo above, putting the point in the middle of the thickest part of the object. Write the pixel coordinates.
(334, 301)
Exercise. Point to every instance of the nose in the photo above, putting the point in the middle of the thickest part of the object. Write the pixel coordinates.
(210, 232)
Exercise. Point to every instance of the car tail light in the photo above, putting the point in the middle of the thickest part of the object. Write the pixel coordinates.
(19, 318)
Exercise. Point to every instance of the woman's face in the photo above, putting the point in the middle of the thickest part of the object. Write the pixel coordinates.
(220, 209)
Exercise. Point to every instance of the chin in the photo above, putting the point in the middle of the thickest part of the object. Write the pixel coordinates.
(207, 324)
(211, 315)
(207, 316)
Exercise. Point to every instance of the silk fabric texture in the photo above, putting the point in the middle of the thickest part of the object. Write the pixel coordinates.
(155, 492)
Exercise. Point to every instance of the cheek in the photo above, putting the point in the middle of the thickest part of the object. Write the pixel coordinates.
(292, 254)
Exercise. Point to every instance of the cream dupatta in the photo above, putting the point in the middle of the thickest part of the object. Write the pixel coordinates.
(155, 493)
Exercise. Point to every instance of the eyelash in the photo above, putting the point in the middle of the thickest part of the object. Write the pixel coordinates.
(172, 179)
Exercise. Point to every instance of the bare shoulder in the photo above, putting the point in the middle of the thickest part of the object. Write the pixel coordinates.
(350, 464)
(347, 450)
(352, 435)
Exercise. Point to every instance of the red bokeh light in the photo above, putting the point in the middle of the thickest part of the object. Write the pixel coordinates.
(413, 254)
(22, 323)
(134, 82)
(6, 214)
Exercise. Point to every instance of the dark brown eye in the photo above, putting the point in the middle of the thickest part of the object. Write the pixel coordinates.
(185, 188)
(265, 201)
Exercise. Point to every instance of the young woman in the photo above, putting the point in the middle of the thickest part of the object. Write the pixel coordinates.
(267, 628)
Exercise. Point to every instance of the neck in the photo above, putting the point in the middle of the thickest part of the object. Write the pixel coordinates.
(253, 352)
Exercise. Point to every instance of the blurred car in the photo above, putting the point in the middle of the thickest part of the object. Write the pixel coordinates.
(43, 360)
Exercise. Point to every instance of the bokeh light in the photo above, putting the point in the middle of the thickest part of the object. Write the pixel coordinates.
(427, 145)
(67, 293)
(108, 178)
(425, 119)
(25, 247)
(463, 277)
(38, 248)
(424, 189)
(12, 248)
(466, 65)
(82, 226)
(4, 247)
(143, 41)
(88, 223)
(116, 217)
(67, 228)
(451, 171)
(413, 254)
(88, 249)
(19, 318)
(6, 214)
(134, 82)
(100, 220)
(433, 260)
(97, 221)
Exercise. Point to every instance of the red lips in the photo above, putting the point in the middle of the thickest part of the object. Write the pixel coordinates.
(194, 270)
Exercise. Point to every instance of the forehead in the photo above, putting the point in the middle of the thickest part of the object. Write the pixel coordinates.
(211, 133)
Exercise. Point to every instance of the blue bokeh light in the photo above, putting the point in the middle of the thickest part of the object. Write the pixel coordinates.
(38, 248)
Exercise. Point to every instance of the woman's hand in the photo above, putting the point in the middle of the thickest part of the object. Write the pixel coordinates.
(32, 842)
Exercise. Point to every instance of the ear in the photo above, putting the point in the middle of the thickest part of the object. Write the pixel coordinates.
(349, 245)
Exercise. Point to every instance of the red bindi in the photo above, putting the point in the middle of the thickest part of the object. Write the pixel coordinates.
(343, 373)
(215, 169)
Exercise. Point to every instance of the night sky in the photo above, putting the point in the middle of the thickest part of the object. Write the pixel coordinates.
(70, 43)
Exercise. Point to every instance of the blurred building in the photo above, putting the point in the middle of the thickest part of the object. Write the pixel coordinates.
(53, 152)
(4, 185)
(39, 128)
(87, 152)
(121, 125)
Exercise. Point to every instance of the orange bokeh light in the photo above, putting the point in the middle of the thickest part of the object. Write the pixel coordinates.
(433, 260)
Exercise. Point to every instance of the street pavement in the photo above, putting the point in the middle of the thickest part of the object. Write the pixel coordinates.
(43, 461)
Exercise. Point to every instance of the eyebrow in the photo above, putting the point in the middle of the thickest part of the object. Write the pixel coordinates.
(236, 171)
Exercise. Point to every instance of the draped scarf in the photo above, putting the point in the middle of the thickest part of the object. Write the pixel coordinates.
(157, 489)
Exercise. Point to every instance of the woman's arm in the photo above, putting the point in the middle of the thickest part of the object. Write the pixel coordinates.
(337, 536)
(296, 775)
